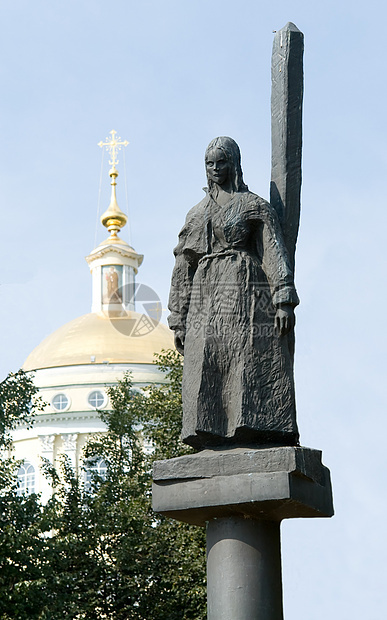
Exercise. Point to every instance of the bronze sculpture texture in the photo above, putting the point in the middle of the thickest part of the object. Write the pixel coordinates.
(232, 305)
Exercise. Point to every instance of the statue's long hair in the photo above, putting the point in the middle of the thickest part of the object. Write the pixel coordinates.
(233, 156)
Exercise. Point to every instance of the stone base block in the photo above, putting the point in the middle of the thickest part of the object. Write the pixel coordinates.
(271, 483)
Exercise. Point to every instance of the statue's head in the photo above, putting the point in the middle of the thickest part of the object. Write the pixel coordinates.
(231, 153)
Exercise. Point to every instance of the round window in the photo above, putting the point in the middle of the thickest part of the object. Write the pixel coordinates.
(60, 402)
(96, 399)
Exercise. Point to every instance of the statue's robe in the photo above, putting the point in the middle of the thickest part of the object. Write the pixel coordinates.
(231, 274)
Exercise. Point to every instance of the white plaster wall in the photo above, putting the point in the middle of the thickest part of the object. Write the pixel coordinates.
(55, 433)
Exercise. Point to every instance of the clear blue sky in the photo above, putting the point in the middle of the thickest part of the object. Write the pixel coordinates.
(169, 76)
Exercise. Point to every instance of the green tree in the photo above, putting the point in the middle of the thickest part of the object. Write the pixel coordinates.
(162, 411)
(102, 551)
(19, 401)
(22, 524)
(178, 549)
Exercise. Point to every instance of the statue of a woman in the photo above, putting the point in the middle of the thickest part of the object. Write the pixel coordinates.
(232, 305)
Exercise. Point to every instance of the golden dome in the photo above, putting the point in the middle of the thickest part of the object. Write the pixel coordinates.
(94, 338)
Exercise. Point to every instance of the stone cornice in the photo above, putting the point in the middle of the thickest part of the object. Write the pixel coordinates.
(48, 418)
(128, 252)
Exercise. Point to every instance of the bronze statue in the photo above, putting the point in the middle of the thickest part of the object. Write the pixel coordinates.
(232, 305)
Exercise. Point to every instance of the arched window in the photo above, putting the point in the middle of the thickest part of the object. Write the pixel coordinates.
(26, 479)
(94, 467)
(96, 399)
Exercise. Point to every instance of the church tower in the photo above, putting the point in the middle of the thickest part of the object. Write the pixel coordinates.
(73, 365)
(113, 264)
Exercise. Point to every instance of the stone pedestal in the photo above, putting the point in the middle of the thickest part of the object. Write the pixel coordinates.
(241, 495)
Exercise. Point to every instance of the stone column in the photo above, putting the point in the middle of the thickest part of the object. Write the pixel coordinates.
(47, 451)
(70, 447)
(47, 447)
(244, 569)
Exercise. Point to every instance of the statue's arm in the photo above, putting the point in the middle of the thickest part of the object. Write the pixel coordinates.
(189, 250)
(180, 291)
(285, 319)
(279, 272)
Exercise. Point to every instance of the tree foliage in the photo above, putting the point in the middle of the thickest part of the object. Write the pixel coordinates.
(97, 550)
(22, 525)
(18, 403)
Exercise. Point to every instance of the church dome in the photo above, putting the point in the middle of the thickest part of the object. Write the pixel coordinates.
(95, 338)
(74, 367)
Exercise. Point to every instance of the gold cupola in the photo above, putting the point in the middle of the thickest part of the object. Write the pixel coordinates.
(113, 218)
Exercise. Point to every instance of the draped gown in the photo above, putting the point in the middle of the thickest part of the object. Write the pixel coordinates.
(232, 271)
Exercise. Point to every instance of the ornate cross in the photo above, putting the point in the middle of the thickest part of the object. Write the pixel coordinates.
(113, 146)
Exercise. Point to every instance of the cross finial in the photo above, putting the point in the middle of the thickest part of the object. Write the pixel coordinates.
(113, 146)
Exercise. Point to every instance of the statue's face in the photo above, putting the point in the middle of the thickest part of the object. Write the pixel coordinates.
(217, 166)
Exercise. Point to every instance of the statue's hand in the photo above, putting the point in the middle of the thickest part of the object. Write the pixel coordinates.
(179, 342)
(285, 319)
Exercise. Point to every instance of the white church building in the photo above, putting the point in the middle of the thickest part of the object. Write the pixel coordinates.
(73, 366)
